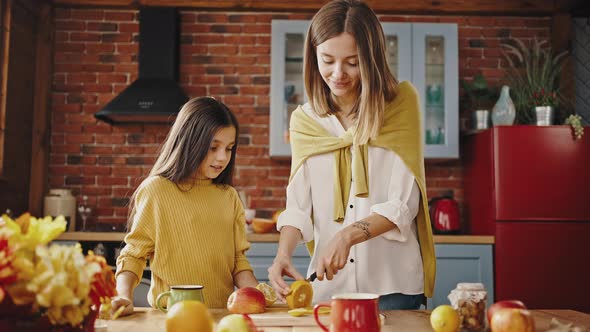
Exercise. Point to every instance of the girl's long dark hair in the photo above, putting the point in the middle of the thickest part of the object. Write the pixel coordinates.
(188, 143)
(189, 140)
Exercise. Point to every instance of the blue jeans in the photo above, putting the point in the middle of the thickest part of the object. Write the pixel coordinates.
(398, 301)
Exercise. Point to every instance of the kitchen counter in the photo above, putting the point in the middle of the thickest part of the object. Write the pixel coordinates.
(271, 237)
(151, 320)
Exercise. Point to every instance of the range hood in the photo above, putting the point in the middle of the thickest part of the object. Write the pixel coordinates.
(155, 97)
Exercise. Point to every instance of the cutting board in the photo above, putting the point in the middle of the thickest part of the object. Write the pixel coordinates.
(278, 317)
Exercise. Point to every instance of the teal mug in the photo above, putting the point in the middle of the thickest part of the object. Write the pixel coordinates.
(180, 293)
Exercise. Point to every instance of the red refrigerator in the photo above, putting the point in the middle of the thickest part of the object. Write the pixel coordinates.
(529, 186)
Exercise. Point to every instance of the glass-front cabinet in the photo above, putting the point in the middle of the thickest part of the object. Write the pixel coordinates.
(435, 73)
(425, 54)
(398, 39)
(286, 81)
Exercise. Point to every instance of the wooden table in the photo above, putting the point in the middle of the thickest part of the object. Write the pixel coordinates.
(151, 320)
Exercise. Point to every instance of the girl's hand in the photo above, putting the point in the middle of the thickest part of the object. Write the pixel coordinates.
(282, 266)
(119, 302)
(333, 258)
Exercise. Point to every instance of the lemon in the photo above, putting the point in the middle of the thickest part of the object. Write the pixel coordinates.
(444, 319)
(300, 296)
(269, 293)
(188, 316)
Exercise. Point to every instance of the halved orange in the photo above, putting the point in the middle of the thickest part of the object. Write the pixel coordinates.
(301, 295)
(269, 293)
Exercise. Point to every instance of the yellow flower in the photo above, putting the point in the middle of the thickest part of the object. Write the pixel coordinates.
(58, 281)
(43, 231)
(29, 232)
(61, 282)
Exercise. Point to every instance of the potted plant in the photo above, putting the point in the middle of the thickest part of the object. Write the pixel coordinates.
(533, 75)
(480, 99)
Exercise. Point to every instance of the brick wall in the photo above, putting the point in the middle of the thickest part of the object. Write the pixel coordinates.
(225, 55)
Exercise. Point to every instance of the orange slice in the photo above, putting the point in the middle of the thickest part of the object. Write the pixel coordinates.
(269, 293)
(307, 311)
(300, 296)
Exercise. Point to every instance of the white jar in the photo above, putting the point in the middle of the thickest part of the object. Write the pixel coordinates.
(60, 202)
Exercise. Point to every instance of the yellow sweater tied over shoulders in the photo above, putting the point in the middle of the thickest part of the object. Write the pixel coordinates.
(400, 133)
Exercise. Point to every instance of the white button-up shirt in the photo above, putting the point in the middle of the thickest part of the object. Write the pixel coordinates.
(389, 263)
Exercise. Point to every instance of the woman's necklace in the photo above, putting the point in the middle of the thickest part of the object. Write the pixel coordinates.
(346, 120)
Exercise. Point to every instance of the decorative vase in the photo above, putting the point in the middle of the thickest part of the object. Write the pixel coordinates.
(544, 115)
(504, 111)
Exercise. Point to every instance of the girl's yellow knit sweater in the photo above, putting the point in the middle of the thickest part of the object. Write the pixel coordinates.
(191, 237)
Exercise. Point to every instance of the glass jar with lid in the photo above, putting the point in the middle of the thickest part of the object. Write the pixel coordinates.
(469, 299)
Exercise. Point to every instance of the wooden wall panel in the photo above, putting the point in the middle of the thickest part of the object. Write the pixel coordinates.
(41, 110)
(26, 50)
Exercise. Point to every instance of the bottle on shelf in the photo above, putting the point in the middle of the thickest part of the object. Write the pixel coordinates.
(85, 212)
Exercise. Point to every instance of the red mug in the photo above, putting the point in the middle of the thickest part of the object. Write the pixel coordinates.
(352, 312)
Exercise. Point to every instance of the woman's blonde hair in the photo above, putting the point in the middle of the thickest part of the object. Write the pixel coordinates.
(378, 85)
(188, 143)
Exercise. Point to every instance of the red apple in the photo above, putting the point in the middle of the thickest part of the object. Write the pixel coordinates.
(512, 320)
(504, 304)
(236, 323)
(247, 300)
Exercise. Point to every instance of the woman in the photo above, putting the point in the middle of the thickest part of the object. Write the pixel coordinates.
(356, 193)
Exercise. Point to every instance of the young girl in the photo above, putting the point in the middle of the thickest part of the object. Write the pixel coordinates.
(185, 216)
(356, 193)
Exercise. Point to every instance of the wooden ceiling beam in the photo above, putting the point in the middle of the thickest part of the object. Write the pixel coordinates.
(441, 7)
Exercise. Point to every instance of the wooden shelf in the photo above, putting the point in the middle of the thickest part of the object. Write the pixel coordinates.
(464, 239)
(93, 236)
(270, 237)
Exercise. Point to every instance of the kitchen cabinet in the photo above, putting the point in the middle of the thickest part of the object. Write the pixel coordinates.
(425, 54)
(435, 73)
(529, 187)
(455, 263)
(286, 80)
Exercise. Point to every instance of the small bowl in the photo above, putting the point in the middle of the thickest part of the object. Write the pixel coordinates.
(260, 225)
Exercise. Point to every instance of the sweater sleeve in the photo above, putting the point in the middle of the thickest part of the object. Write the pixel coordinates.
(139, 242)
(241, 243)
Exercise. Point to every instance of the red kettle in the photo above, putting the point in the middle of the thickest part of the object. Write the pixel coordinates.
(444, 215)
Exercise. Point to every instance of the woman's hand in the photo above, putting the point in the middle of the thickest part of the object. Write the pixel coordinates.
(119, 302)
(282, 266)
(334, 257)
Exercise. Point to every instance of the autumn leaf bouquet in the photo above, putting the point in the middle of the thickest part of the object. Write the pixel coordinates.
(50, 282)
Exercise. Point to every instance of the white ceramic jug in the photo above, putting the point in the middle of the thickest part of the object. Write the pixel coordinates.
(61, 202)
